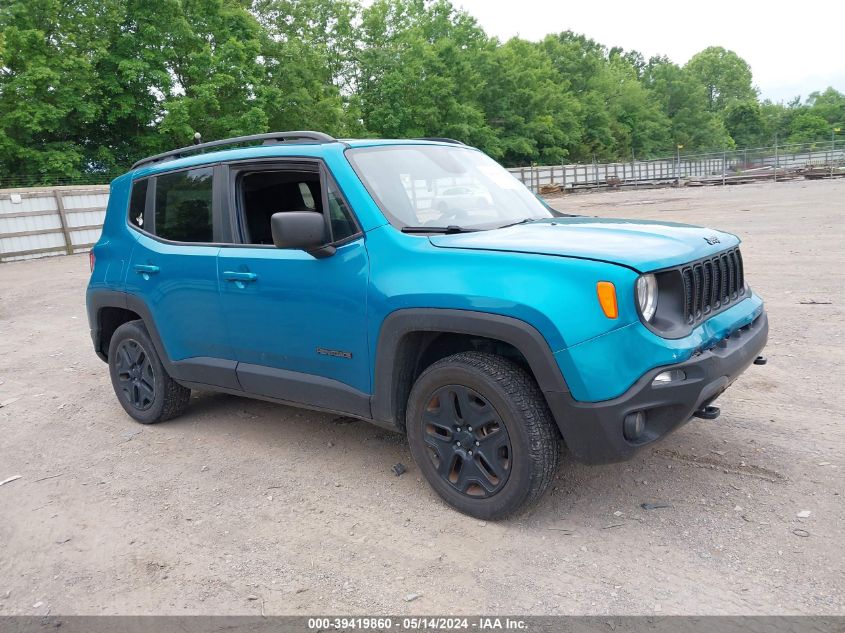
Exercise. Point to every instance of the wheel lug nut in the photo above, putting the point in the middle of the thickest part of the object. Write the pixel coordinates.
(477, 443)
(469, 428)
(469, 453)
(458, 444)
(458, 429)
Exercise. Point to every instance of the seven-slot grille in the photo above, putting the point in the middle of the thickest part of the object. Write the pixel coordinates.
(712, 284)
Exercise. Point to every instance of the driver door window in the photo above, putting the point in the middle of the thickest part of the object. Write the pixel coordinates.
(264, 193)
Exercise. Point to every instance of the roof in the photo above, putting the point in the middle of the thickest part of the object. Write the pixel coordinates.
(303, 143)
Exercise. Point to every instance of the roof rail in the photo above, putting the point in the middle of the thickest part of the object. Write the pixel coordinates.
(267, 139)
(439, 139)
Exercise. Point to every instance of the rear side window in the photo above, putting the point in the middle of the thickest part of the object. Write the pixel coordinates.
(183, 206)
(138, 202)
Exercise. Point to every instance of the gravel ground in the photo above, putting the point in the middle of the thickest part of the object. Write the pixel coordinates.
(242, 506)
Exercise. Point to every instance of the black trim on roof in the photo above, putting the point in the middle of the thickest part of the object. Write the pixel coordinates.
(439, 139)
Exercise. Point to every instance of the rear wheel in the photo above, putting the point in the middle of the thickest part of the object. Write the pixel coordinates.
(481, 432)
(143, 387)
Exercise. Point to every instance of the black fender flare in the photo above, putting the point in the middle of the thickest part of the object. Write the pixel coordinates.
(204, 371)
(99, 299)
(389, 365)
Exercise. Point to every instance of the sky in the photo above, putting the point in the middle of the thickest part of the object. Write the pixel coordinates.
(793, 48)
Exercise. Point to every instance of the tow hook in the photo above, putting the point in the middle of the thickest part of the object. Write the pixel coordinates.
(760, 360)
(708, 413)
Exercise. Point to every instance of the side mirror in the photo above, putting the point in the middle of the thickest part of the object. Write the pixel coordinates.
(305, 230)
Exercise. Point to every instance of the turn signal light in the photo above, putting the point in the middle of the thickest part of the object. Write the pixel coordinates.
(607, 299)
(91, 260)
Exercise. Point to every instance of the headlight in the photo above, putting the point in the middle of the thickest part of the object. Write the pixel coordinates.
(647, 295)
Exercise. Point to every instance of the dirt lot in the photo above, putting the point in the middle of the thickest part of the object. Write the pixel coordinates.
(241, 505)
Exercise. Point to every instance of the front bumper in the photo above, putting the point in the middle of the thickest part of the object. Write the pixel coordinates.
(593, 431)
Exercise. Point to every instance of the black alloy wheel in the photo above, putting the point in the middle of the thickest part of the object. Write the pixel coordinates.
(141, 383)
(135, 374)
(481, 433)
(466, 441)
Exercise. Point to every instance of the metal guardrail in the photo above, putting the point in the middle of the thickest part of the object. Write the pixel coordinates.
(727, 167)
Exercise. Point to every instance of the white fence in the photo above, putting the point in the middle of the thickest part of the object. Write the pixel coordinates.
(48, 221)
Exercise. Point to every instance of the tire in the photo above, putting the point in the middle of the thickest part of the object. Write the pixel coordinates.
(514, 445)
(145, 390)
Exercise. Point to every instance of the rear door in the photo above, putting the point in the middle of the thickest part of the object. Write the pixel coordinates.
(297, 323)
(173, 272)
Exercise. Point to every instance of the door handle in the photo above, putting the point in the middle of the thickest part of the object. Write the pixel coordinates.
(146, 270)
(231, 275)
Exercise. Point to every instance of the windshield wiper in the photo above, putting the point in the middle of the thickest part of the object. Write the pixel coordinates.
(523, 221)
(452, 228)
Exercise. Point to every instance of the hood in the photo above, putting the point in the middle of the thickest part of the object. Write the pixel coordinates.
(642, 244)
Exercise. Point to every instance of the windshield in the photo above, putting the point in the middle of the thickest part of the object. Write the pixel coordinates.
(438, 187)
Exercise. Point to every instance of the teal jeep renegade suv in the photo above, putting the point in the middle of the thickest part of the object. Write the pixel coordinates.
(415, 284)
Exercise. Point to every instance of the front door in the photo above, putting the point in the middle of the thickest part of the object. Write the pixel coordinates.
(297, 323)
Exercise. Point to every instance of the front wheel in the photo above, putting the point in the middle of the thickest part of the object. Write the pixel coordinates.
(481, 433)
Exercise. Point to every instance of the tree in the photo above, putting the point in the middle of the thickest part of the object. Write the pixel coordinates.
(421, 72)
(532, 112)
(48, 87)
(684, 101)
(636, 121)
(219, 84)
(830, 105)
(308, 51)
(89, 86)
(616, 113)
(808, 127)
(744, 121)
(725, 76)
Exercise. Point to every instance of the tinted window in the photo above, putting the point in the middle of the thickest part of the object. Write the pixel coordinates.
(137, 202)
(183, 206)
(342, 224)
(267, 192)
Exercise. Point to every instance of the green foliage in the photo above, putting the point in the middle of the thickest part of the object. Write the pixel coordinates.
(725, 76)
(684, 101)
(89, 86)
(829, 105)
(808, 127)
(744, 121)
(421, 72)
(534, 117)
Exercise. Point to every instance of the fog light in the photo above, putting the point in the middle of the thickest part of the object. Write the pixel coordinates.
(673, 375)
(633, 425)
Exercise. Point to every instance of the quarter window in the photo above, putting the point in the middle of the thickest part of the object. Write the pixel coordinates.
(183, 205)
(138, 202)
(343, 225)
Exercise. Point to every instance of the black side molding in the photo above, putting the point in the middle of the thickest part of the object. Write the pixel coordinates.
(306, 390)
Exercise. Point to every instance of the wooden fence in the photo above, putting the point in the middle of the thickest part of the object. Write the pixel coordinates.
(46, 221)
